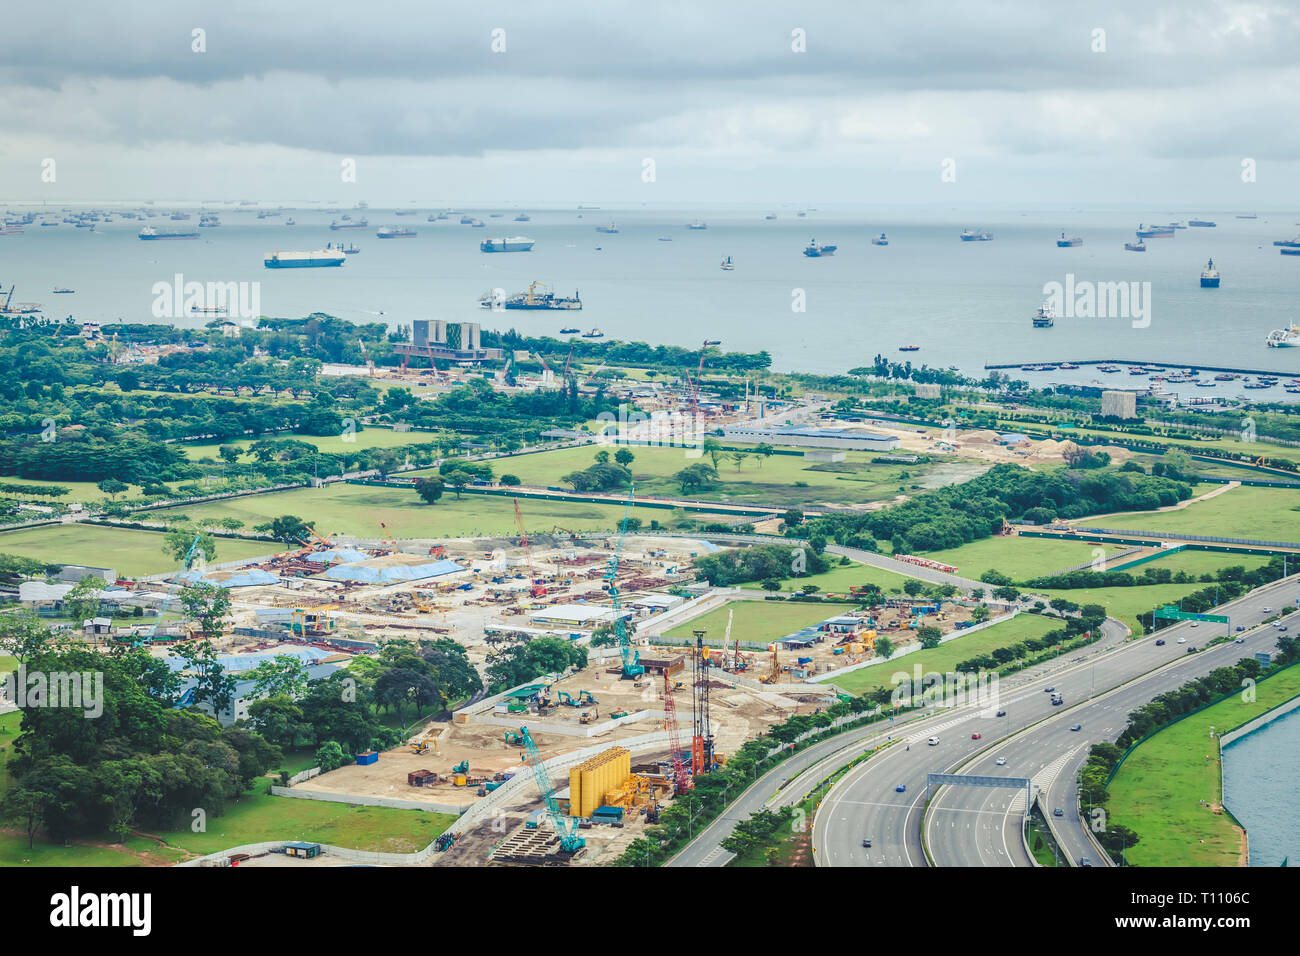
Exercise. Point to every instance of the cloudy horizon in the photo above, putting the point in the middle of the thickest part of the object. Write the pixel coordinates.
(732, 103)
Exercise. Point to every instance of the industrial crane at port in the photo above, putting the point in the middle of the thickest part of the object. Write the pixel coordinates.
(565, 827)
(632, 668)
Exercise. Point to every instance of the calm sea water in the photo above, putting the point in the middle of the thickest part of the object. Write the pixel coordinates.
(1259, 785)
(965, 304)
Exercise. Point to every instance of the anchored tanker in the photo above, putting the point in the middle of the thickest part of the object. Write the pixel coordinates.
(149, 232)
(321, 258)
(513, 244)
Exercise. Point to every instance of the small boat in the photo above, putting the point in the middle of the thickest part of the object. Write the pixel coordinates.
(351, 250)
(1138, 246)
(727, 264)
(909, 348)
(1205, 384)
(1067, 365)
(665, 239)
(593, 334)
(882, 241)
(523, 217)
(697, 224)
(1224, 377)
(208, 310)
(62, 291)
(290, 222)
(770, 216)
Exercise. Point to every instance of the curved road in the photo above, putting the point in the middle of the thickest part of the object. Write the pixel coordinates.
(978, 827)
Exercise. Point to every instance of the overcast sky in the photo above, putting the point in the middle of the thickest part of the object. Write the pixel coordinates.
(1013, 92)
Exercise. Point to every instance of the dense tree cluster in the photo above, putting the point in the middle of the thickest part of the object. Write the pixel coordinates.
(760, 563)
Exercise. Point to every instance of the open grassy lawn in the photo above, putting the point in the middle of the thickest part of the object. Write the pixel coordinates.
(332, 444)
(82, 491)
(1018, 557)
(1127, 603)
(255, 818)
(942, 658)
(1268, 514)
(132, 553)
(358, 510)
(838, 580)
(1201, 562)
(769, 481)
(1158, 791)
(759, 621)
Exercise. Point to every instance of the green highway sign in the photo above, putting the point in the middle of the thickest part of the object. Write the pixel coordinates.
(1171, 613)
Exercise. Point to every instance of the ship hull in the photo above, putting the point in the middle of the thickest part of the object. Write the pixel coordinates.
(1208, 283)
(490, 246)
(302, 263)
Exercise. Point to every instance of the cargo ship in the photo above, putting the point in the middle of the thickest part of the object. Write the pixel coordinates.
(523, 217)
(1138, 246)
(1065, 243)
(1210, 276)
(881, 241)
(1288, 243)
(1201, 222)
(814, 251)
(1290, 251)
(512, 244)
(968, 236)
(149, 232)
(538, 297)
(611, 229)
(346, 223)
(1045, 317)
(569, 331)
(1154, 231)
(395, 232)
(909, 348)
(319, 259)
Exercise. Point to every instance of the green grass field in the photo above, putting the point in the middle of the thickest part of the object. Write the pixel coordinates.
(769, 481)
(1268, 514)
(82, 491)
(1127, 603)
(1018, 557)
(838, 580)
(333, 444)
(1201, 562)
(1158, 791)
(942, 658)
(254, 818)
(130, 552)
(358, 510)
(759, 621)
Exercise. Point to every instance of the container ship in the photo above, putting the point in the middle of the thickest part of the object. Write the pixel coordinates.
(1138, 246)
(538, 297)
(346, 223)
(320, 259)
(1045, 317)
(814, 251)
(1204, 223)
(1065, 243)
(395, 232)
(1210, 276)
(149, 232)
(1154, 231)
(968, 236)
(513, 244)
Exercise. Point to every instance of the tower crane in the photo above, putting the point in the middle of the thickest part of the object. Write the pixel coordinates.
(567, 828)
(632, 667)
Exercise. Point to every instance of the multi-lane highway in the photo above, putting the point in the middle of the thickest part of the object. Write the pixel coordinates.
(980, 827)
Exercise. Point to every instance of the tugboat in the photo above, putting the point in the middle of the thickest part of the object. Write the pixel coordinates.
(882, 241)
(1138, 246)
(1045, 317)
(1064, 243)
(727, 264)
(1210, 276)
(814, 251)
(593, 334)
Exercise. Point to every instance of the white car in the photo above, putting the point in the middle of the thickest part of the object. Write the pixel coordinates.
(1196, 624)
(1001, 761)
(1182, 640)
(1267, 609)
